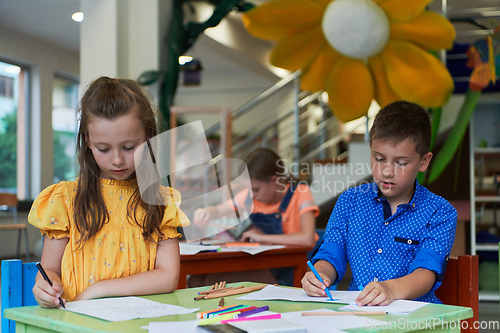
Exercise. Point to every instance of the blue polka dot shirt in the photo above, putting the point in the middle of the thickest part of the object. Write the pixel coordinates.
(419, 235)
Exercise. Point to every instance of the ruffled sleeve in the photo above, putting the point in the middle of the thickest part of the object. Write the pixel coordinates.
(174, 217)
(50, 213)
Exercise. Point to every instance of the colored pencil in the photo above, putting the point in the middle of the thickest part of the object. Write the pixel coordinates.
(206, 292)
(235, 292)
(216, 319)
(236, 244)
(254, 311)
(221, 312)
(240, 310)
(200, 315)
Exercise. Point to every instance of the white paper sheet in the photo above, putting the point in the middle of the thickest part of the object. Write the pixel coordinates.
(398, 306)
(314, 324)
(125, 308)
(326, 324)
(299, 295)
(188, 326)
(190, 248)
(251, 249)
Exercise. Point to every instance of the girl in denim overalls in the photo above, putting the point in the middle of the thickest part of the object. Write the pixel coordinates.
(283, 210)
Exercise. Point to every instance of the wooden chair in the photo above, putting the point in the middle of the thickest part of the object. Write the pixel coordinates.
(8, 202)
(18, 280)
(461, 286)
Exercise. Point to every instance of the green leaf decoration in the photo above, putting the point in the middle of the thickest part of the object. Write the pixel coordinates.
(452, 142)
(148, 77)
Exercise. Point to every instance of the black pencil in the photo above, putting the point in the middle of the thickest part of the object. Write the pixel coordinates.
(45, 276)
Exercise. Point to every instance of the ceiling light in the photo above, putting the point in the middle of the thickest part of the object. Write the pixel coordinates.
(78, 17)
(184, 59)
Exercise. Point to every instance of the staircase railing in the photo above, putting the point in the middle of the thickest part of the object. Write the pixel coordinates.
(297, 112)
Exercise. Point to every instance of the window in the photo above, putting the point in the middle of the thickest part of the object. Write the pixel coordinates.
(6, 87)
(9, 97)
(65, 127)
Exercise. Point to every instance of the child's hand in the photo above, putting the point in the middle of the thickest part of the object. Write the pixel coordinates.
(313, 287)
(201, 216)
(47, 296)
(252, 235)
(375, 293)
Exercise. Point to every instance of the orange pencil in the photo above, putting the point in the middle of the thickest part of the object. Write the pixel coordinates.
(235, 244)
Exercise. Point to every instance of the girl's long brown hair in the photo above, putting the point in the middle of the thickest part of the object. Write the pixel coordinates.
(109, 99)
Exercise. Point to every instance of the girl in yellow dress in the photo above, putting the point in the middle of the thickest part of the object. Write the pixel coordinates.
(101, 238)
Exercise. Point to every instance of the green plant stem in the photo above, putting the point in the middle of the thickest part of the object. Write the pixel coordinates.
(450, 146)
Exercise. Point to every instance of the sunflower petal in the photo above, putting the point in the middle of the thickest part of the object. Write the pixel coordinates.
(404, 10)
(383, 91)
(416, 75)
(350, 88)
(324, 3)
(430, 31)
(314, 77)
(297, 51)
(276, 19)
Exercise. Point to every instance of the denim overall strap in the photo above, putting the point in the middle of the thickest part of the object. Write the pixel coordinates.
(272, 223)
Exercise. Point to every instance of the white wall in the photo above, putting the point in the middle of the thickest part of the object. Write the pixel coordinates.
(43, 61)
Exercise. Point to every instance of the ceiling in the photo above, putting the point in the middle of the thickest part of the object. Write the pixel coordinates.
(50, 20)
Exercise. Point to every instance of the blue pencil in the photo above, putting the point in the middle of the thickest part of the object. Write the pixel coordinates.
(319, 278)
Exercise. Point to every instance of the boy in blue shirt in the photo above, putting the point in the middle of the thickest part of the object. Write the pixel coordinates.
(395, 233)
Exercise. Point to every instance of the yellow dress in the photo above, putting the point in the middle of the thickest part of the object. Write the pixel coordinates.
(118, 249)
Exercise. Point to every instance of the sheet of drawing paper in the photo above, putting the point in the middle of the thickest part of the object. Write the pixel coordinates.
(125, 308)
(299, 295)
(398, 306)
(251, 249)
(190, 248)
(327, 324)
(188, 326)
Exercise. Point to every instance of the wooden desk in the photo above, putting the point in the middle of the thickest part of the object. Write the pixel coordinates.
(37, 319)
(222, 262)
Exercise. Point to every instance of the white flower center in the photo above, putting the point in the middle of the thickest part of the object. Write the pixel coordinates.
(356, 28)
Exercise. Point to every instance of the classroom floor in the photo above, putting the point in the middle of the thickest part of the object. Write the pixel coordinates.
(488, 312)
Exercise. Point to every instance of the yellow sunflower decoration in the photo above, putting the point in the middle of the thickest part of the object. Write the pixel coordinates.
(359, 50)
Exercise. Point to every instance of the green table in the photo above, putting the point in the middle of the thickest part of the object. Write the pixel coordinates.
(37, 319)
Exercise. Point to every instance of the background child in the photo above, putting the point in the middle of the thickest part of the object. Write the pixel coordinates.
(101, 239)
(395, 234)
(284, 212)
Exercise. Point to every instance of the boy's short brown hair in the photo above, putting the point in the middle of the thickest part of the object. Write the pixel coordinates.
(400, 120)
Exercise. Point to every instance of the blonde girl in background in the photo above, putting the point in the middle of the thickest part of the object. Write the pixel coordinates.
(101, 238)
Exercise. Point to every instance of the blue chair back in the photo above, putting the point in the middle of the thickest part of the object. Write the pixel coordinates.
(18, 280)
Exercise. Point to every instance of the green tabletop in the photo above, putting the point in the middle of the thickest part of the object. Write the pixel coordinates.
(37, 319)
